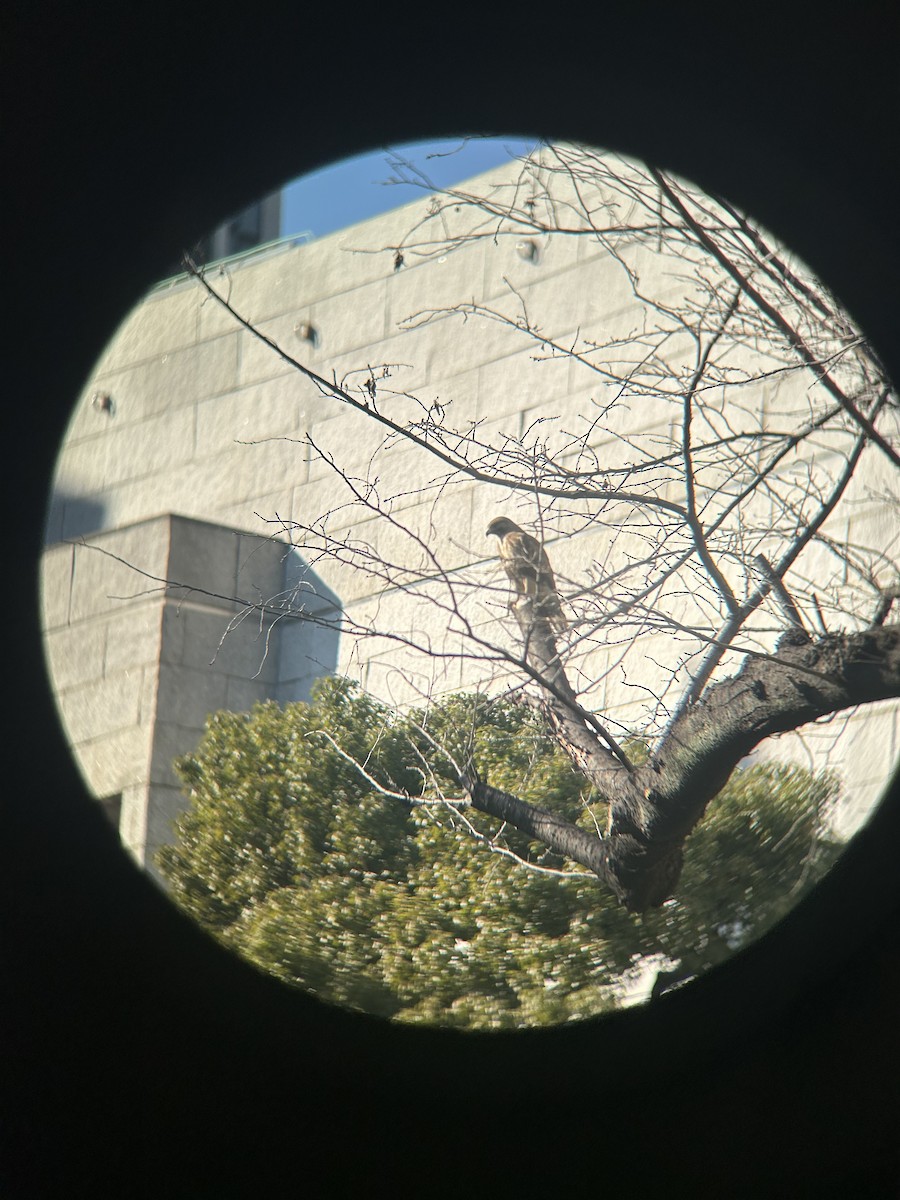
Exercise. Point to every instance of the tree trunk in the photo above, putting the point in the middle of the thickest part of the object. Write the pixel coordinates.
(653, 808)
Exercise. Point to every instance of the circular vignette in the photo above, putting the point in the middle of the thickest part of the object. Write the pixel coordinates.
(690, 1026)
(675, 201)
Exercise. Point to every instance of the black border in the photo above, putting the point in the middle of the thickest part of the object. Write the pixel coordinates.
(140, 1060)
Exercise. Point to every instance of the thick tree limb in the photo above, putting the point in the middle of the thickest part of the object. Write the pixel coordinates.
(653, 808)
(579, 728)
(767, 697)
(619, 862)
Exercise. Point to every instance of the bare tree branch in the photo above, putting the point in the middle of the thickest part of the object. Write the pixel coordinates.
(710, 467)
(779, 321)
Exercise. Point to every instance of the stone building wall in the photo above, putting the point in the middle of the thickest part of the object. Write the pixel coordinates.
(188, 413)
(138, 665)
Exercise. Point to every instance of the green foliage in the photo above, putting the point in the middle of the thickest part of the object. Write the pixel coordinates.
(294, 858)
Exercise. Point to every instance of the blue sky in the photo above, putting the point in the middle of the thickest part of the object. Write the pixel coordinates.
(353, 189)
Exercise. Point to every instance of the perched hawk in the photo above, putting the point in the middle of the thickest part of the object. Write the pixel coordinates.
(529, 571)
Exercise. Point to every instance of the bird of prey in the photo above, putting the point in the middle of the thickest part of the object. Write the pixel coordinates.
(529, 571)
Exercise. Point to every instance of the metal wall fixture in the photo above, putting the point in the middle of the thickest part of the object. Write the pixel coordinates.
(307, 332)
(528, 250)
(103, 402)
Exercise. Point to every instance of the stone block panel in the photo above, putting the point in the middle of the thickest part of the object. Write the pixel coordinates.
(57, 566)
(455, 344)
(407, 683)
(75, 654)
(411, 477)
(238, 563)
(639, 426)
(185, 695)
(164, 806)
(437, 283)
(133, 820)
(582, 302)
(159, 324)
(117, 567)
(170, 742)
(516, 382)
(104, 706)
(164, 383)
(509, 267)
(250, 414)
(453, 402)
(252, 471)
(151, 447)
(872, 742)
(203, 556)
(133, 637)
(211, 640)
(258, 288)
(351, 320)
(404, 355)
(308, 650)
(269, 516)
(261, 565)
(345, 443)
(242, 694)
(217, 488)
(371, 245)
(261, 362)
(112, 762)
(419, 635)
